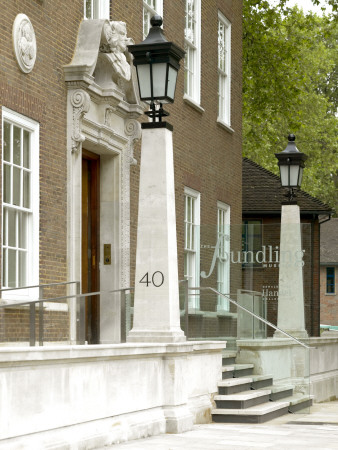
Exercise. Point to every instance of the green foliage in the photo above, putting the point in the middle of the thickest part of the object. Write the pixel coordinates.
(290, 86)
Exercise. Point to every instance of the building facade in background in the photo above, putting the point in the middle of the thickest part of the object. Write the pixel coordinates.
(329, 273)
(70, 156)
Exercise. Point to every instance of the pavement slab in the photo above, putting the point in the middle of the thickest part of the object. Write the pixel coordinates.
(305, 431)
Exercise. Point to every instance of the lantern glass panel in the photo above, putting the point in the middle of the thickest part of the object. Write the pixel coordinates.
(300, 179)
(172, 77)
(294, 175)
(159, 79)
(143, 74)
(284, 175)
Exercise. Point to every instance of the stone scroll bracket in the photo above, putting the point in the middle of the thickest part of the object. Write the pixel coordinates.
(132, 130)
(80, 101)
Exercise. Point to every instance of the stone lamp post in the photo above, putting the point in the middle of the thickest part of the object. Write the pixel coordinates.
(291, 316)
(156, 301)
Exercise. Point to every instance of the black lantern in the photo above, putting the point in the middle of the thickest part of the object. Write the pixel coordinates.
(291, 165)
(157, 63)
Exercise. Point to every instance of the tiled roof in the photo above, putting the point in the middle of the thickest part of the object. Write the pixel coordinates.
(329, 242)
(262, 193)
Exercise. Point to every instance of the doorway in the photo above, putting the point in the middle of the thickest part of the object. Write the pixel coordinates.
(90, 243)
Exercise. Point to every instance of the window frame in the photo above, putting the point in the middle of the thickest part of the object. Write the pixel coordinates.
(223, 263)
(102, 8)
(157, 10)
(246, 246)
(333, 283)
(192, 93)
(32, 262)
(192, 255)
(224, 75)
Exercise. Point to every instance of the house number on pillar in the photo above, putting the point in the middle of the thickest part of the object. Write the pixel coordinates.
(157, 279)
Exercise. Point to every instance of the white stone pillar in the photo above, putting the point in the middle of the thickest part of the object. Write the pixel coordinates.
(156, 301)
(291, 316)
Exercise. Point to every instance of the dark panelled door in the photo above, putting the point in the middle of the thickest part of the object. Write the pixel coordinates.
(90, 242)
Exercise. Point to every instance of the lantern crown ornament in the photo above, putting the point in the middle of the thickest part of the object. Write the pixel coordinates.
(291, 165)
(157, 64)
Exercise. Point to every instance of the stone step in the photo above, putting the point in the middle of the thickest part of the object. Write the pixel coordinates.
(234, 385)
(228, 357)
(261, 381)
(279, 391)
(237, 370)
(228, 372)
(243, 370)
(297, 402)
(241, 400)
(255, 414)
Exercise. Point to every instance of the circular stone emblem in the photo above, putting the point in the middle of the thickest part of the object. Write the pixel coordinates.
(24, 42)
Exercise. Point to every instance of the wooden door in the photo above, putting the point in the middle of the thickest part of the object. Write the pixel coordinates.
(90, 242)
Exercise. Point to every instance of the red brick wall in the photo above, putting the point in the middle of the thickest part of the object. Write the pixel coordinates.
(328, 302)
(207, 158)
(41, 95)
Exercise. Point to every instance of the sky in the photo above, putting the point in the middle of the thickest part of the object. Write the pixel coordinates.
(307, 5)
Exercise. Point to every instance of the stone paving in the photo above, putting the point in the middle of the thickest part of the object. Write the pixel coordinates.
(318, 430)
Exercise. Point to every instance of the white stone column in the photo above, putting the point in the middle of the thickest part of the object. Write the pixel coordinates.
(156, 301)
(291, 317)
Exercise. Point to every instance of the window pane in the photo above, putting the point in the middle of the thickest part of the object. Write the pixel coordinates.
(26, 190)
(22, 269)
(11, 268)
(7, 142)
(7, 183)
(26, 150)
(330, 280)
(11, 228)
(4, 265)
(4, 227)
(88, 9)
(16, 145)
(22, 230)
(16, 186)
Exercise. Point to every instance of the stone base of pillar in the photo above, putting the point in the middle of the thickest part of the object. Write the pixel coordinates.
(178, 419)
(298, 334)
(156, 336)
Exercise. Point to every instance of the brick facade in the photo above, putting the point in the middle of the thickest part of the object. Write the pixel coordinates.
(207, 157)
(328, 302)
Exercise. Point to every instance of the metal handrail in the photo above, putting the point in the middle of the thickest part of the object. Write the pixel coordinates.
(80, 332)
(38, 286)
(250, 312)
(65, 297)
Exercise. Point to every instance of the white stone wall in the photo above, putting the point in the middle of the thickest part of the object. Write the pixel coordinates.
(113, 392)
(313, 371)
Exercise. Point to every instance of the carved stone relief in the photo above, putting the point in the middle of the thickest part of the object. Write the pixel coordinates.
(116, 47)
(132, 129)
(80, 101)
(24, 43)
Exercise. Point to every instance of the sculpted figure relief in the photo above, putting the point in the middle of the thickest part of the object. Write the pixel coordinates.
(116, 35)
(24, 42)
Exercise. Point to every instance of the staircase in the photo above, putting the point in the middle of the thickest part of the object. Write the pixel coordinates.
(247, 398)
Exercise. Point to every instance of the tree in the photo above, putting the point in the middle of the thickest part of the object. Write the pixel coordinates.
(290, 86)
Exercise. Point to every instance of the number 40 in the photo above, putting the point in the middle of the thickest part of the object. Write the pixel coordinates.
(157, 279)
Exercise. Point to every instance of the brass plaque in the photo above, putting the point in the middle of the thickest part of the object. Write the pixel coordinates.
(107, 254)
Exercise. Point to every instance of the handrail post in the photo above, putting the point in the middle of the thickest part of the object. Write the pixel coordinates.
(32, 324)
(186, 308)
(41, 317)
(81, 316)
(123, 336)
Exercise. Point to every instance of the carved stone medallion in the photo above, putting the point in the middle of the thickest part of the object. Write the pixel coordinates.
(24, 43)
